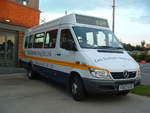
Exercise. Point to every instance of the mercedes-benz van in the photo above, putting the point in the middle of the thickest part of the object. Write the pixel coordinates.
(82, 53)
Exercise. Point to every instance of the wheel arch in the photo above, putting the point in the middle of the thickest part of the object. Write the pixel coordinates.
(72, 75)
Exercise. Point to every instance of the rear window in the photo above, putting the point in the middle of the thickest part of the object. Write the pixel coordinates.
(26, 42)
(30, 44)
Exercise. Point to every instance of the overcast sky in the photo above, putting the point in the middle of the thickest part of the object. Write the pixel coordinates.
(132, 16)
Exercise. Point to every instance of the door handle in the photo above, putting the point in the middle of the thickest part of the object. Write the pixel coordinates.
(58, 54)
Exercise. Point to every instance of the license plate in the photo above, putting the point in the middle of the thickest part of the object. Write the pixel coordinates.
(126, 87)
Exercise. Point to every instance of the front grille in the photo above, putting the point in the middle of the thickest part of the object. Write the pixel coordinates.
(120, 75)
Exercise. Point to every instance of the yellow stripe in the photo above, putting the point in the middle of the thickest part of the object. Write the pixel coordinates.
(62, 63)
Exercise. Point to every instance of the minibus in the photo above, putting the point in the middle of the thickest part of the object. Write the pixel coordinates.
(82, 53)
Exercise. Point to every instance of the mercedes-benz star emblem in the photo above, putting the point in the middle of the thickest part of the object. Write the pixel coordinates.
(125, 74)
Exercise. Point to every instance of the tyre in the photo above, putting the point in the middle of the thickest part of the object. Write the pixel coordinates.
(77, 88)
(125, 93)
(31, 74)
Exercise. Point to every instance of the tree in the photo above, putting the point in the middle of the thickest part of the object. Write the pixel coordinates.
(128, 47)
(143, 43)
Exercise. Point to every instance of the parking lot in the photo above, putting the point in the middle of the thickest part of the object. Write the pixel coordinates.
(21, 95)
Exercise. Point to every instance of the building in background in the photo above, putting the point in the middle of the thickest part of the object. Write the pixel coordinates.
(15, 17)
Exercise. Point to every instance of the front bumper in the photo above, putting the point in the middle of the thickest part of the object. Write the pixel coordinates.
(106, 86)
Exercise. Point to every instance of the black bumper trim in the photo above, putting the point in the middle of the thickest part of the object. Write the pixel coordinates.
(106, 86)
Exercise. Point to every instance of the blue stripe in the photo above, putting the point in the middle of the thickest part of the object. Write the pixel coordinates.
(57, 76)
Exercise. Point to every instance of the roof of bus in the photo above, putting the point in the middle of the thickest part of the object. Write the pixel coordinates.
(72, 19)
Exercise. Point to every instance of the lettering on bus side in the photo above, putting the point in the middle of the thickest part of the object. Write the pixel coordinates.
(39, 53)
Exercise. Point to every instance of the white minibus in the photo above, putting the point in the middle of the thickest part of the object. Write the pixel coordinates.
(82, 53)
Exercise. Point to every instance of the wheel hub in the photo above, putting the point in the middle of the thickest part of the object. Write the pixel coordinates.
(74, 88)
(29, 74)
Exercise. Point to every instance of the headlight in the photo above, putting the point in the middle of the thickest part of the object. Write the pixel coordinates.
(100, 74)
(138, 74)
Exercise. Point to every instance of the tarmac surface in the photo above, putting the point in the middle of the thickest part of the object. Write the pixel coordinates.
(18, 94)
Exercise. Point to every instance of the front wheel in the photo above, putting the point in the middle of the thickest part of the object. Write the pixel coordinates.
(125, 93)
(77, 88)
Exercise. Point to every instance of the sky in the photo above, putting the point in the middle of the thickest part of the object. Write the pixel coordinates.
(132, 16)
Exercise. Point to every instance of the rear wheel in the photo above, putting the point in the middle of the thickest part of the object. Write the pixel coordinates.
(77, 88)
(31, 74)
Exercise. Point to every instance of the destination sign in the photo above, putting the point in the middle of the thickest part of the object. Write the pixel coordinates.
(91, 21)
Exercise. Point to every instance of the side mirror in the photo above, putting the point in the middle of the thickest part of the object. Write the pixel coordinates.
(70, 45)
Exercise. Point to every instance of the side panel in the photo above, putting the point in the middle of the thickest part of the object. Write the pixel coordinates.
(64, 55)
(55, 75)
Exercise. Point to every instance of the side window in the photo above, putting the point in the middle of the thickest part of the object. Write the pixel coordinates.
(65, 36)
(50, 40)
(30, 44)
(39, 40)
(26, 42)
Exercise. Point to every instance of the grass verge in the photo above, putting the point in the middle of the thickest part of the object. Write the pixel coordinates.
(142, 90)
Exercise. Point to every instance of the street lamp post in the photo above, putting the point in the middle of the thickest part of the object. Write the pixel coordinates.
(113, 16)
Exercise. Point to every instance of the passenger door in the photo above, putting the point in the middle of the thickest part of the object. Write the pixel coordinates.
(63, 55)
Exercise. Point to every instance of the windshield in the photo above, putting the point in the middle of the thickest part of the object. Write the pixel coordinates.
(96, 38)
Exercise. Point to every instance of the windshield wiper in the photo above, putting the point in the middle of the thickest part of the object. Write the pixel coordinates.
(108, 47)
(117, 47)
